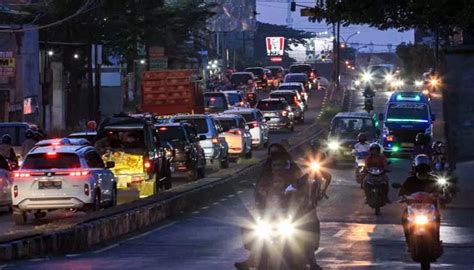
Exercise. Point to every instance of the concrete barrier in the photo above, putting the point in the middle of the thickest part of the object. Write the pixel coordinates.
(100, 228)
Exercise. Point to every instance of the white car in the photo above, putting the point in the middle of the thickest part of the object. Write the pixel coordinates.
(62, 174)
(237, 134)
(257, 124)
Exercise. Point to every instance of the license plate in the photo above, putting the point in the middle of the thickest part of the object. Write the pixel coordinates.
(407, 144)
(50, 185)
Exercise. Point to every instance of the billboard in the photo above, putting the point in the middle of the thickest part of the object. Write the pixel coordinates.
(233, 15)
(275, 46)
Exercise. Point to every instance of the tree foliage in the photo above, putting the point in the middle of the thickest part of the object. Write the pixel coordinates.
(416, 59)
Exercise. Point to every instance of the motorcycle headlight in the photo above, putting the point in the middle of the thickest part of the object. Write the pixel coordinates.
(442, 181)
(388, 77)
(357, 82)
(263, 229)
(421, 220)
(315, 166)
(285, 228)
(334, 145)
(367, 77)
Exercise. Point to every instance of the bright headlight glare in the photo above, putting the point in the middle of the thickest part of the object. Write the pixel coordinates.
(418, 83)
(367, 77)
(263, 229)
(421, 219)
(315, 166)
(442, 181)
(425, 92)
(334, 145)
(285, 228)
(388, 77)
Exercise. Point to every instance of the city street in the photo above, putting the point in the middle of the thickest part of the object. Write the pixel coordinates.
(352, 236)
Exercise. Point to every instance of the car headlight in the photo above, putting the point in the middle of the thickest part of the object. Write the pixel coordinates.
(367, 77)
(418, 83)
(357, 82)
(315, 166)
(285, 228)
(425, 92)
(263, 229)
(334, 145)
(421, 220)
(388, 77)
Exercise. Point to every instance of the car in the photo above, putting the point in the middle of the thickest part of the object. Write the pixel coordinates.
(256, 123)
(276, 77)
(345, 126)
(298, 87)
(236, 98)
(243, 81)
(211, 138)
(260, 77)
(277, 113)
(62, 174)
(188, 154)
(215, 102)
(308, 70)
(294, 101)
(6, 180)
(88, 135)
(237, 134)
(142, 163)
(298, 77)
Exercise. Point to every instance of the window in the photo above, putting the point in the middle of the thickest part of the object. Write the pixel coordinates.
(228, 124)
(242, 123)
(271, 105)
(350, 127)
(16, 132)
(192, 134)
(200, 124)
(171, 134)
(234, 98)
(290, 98)
(240, 79)
(45, 161)
(93, 160)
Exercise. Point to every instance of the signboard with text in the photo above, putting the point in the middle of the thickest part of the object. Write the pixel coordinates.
(7, 64)
(275, 46)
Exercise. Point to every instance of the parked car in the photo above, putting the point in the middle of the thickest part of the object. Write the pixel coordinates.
(277, 113)
(215, 102)
(257, 124)
(294, 101)
(188, 154)
(299, 87)
(88, 135)
(237, 134)
(211, 138)
(244, 81)
(62, 174)
(6, 180)
(236, 98)
(260, 77)
(133, 144)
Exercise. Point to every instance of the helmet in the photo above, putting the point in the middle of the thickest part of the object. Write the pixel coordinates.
(29, 134)
(362, 138)
(439, 148)
(375, 147)
(422, 138)
(422, 164)
(6, 139)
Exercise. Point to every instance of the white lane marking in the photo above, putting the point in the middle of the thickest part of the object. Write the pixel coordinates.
(106, 248)
(339, 233)
(239, 192)
(223, 200)
(216, 203)
(205, 207)
(195, 212)
(72, 255)
(318, 251)
(39, 259)
(231, 196)
(152, 231)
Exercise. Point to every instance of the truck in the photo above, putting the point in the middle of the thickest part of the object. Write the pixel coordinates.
(168, 92)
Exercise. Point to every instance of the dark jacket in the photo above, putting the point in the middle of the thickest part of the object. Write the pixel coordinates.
(412, 185)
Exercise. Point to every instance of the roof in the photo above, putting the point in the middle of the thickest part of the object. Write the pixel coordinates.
(169, 125)
(232, 91)
(60, 149)
(274, 67)
(353, 115)
(84, 133)
(63, 142)
(192, 116)
(296, 74)
(408, 96)
(243, 72)
(283, 92)
(254, 68)
(241, 110)
(273, 99)
(227, 115)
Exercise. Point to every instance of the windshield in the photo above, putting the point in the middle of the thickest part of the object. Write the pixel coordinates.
(349, 128)
(237, 79)
(290, 98)
(296, 78)
(301, 69)
(234, 98)
(270, 105)
(200, 124)
(408, 112)
(249, 117)
(16, 132)
(171, 134)
(47, 161)
(228, 124)
(214, 101)
(122, 139)
(255, 71)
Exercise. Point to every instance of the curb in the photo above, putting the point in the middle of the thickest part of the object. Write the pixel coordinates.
(98, 230)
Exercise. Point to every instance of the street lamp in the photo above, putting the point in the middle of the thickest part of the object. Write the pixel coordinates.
(50, 53)
(346, 40)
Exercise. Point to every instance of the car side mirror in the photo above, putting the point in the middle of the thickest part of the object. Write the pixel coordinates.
(202, 137)
(110, 164)
(433, 117)
(397, 185)
(380, 116)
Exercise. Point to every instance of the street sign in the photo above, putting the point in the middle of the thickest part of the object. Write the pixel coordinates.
(275, 46)
(159, 63)
(7, 64)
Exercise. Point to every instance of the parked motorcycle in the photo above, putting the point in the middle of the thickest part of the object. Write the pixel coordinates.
(423, 224)
(376, 185)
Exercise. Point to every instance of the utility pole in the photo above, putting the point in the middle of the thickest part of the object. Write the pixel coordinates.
(338, 55)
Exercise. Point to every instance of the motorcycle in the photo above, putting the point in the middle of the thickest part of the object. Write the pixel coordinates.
(368, 104)
(376, 184)
(423, 224)
(359, 165)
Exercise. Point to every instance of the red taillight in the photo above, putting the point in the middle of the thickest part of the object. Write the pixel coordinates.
(79, 173)
(15, 191)
(390, 138)
(147, 165)
(51, 154)
(215, 140)
(284, 113)
(21, 175)
(87, 190)
(264, 77)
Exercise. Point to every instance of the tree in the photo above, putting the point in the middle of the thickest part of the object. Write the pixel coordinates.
(416, 59)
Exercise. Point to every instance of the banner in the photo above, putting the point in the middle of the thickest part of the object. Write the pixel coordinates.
(275, 46)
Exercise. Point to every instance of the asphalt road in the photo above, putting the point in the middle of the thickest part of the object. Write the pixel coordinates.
(58, 219)
(352, 236)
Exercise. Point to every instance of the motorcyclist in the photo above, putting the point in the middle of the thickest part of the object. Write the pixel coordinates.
(362, 146)
(376, 160)
(279, 172)
(6, 149)
(318, 155)
(422, 145)
(28, 143)
(368, 91)
(421, 181)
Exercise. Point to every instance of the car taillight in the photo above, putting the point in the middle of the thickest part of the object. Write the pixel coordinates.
(147, 165)
(79, 173)
(390, 138)
(87, 190)
(215, 140)
(15, 191)
(284, 113)
(21, 175)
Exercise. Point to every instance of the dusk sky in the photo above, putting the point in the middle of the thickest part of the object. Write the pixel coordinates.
(276, 13)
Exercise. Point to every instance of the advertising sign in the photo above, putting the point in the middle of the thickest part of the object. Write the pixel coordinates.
(275, 46)
(7, 64)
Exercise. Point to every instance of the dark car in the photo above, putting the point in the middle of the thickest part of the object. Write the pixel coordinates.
(298, 77)
(277, 113)
(306, 69)
(260, 76)
(215, 102)
(243, 81)
(188, 154)
(141, 160)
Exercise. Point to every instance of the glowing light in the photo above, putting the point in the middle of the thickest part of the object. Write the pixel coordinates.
(442, 181)
(315, 166)
(395, 149)
(421, 219)
(263, 229)
(357, 82)
(142, 61)
(334, 145)
(418, 83)
(367, 77)
(50, 53)
(406, 120)
(76, 56)
(389, 77)
(285, 228)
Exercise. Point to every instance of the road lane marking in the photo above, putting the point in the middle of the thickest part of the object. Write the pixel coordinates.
(106, 248)
(195, 212)
(152, 231)
(231, 196)
(216, 203)
(205, 207)
(240, 191)
(223, 200)
(39, 259)
(72, 255)
(339, 233)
